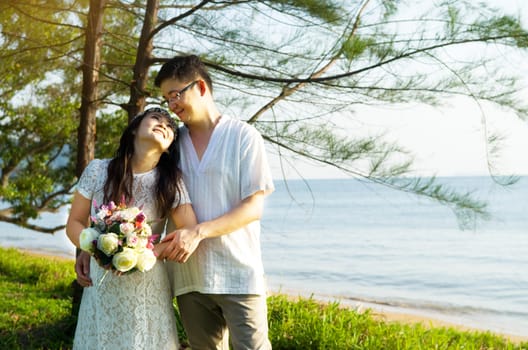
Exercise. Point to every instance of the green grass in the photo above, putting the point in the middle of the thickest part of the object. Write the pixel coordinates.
(306, 323)
(35, 313)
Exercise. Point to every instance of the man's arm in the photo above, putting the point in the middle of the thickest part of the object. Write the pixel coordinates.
(183, 242)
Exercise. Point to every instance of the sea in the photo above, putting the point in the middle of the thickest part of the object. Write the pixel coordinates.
(367, 246)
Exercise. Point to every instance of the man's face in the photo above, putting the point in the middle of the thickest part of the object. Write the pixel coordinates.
(179, 96)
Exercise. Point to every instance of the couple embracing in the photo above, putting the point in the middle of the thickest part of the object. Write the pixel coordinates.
(209, 179)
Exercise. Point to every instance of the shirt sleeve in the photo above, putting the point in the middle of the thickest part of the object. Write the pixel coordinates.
(255, 173)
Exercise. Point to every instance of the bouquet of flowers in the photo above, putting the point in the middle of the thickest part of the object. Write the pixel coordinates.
(120, 238)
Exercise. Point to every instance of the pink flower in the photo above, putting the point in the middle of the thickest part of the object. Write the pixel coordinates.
(140, 218)
(132, 241)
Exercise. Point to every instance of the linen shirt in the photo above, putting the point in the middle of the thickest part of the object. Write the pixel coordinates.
(233, 167)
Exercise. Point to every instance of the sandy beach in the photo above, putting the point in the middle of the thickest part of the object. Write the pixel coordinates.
(432, 322)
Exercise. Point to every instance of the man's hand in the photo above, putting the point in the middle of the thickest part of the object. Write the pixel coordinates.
(182, 243)
(82, 269)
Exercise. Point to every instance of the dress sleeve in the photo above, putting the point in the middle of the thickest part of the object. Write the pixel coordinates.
(183, 197)
(90, 178)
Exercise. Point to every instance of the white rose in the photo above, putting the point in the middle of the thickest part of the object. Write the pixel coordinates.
(146, 230)
(125, 260)
(130, 214)
(108, 243)
(101, 214)
(142, 242)
(86, 239)
(146, 260)
(115, 217)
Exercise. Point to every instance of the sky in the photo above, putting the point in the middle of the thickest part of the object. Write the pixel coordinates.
(447, 141)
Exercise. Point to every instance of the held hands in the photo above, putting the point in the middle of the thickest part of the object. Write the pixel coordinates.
(181, 244)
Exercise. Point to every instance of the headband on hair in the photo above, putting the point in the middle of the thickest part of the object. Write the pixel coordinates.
(173, 122)
(154, 109)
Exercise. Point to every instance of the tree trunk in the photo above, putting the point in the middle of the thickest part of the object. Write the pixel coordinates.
(138, 93)
(89, 104)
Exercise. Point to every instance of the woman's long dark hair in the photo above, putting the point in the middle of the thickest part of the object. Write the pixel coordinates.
(118, 185)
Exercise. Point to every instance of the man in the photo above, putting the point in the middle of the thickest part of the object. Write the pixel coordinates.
(218, 276)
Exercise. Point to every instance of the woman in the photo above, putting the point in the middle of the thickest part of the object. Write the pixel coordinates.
(132, 311)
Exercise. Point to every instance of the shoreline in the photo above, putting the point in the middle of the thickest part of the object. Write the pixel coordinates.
(43, 254)
(430, 322)
(382, 312)
(390, 314)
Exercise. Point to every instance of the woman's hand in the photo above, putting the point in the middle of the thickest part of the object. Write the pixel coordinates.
(82, 269)
(159, 248)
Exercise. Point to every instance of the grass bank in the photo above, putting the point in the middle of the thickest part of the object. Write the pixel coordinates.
(35, 313)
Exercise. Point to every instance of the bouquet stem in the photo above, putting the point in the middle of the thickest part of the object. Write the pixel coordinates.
(102, 279)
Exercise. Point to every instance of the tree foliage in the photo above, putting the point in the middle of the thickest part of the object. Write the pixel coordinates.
(296, 69)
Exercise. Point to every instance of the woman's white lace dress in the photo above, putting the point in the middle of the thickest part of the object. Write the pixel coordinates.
(133, 311)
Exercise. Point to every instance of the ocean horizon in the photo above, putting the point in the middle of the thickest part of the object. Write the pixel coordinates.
(368, 246)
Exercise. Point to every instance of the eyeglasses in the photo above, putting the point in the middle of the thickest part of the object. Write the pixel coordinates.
(177, 95)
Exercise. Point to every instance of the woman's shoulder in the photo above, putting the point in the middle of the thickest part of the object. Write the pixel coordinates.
(97, 165)
(92, 177)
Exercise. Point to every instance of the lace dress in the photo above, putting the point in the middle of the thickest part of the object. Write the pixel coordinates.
(133, 311)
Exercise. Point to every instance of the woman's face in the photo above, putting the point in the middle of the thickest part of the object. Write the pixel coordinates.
(158, 128)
